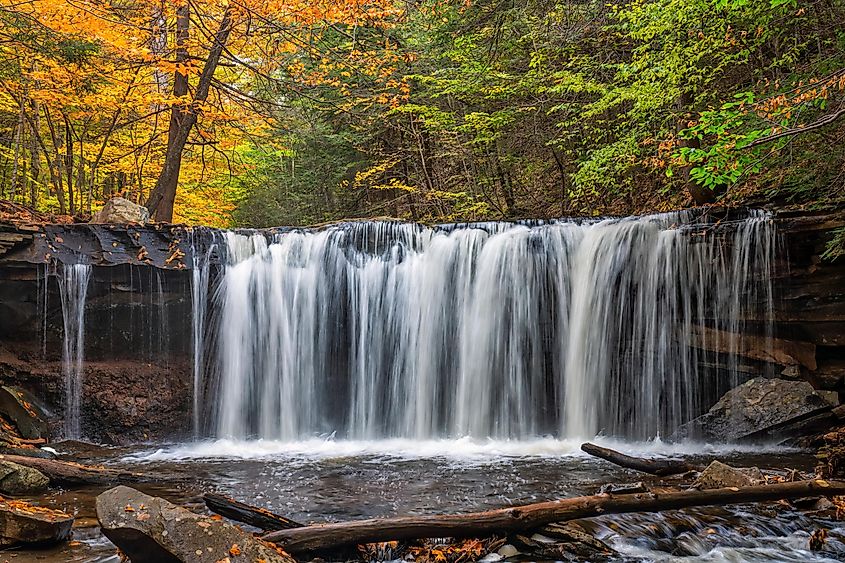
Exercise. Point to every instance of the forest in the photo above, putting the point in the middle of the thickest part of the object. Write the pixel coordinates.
(247, 113)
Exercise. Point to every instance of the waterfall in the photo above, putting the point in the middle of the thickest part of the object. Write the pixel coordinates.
(73, 288)
(199, 297)
(565, 328)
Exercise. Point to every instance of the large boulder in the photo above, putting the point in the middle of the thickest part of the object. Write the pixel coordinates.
(718, 475)
(18, 480)
(17, 406)
(22, 523)
(152, 530)
(757, 408)
(122, 211)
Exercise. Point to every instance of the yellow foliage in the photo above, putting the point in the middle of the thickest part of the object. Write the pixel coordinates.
(101, 75)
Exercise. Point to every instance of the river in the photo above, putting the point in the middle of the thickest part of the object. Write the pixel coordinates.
(327, 480)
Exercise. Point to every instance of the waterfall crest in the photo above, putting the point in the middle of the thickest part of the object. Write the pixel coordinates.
(375, 329)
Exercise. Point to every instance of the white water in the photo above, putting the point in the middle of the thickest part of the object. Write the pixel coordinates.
(375, 331)
(460, 451)
(199, 298)
(73, 288)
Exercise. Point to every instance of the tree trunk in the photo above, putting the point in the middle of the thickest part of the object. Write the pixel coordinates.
(69, 165)
(35, 159)
(56, 166)
(659, 467)
(252, 515)
(523, 518)
(183, 118)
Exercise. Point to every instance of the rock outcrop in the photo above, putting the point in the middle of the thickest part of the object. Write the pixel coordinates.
(152, 530)
(22, 523)
(756, 409)
(17, 406)
(18, 480)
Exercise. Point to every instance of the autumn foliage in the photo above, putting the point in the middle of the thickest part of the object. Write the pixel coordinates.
(89, 88)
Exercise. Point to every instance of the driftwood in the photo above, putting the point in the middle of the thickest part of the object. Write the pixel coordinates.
(252, 515)
(68, 473)
(659, 467)
(532, 516)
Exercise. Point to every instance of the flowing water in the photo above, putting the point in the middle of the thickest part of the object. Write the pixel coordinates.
(325, 480)
(511, 331)
(73, 288)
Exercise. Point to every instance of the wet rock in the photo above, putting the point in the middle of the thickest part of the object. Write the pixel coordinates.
(17, 406)
(759, 406)
(14, 448)
(151, 530)
(830, 374)
(22, 523)
(18, 480)
(718, 475)
(832, 397)
(508, 550)
(571, 532)
(772, 350)
(623, 488)
(122, 211)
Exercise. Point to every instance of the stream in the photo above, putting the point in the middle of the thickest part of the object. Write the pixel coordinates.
(327, 480)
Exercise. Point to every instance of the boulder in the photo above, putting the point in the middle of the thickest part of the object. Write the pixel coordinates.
(718, 475)
(22, 523)
(18, 406)
(18, 480)
(150, 529)
(757, 407)
(122, 211)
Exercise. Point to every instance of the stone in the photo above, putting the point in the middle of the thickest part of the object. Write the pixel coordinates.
(18, 480)
(20, 408)
(758, 406)
(150, 530)
(718, 475)
(831, 397)
(508, 550)
(829, 375)
(122, 211)
(23, 523)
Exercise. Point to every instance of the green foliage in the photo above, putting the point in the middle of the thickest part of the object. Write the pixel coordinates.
(835, 248)
(301, 184)
(546, 107)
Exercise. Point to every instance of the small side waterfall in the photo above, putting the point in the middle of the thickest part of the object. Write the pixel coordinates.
(73, 288)
(373, 330)
(199, 298)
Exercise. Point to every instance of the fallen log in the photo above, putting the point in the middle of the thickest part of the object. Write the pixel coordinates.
(659, 467)
(71, 474)
(326, 537)
(254, 516)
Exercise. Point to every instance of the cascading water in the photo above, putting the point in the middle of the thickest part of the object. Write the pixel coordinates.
(375, 330)
(73, 288)
(199, 296)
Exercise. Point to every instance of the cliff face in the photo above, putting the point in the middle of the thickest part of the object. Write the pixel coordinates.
(137, 376)
(138, 370)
